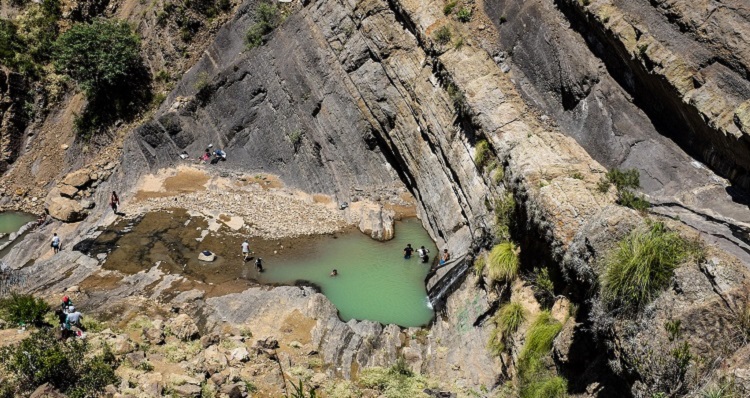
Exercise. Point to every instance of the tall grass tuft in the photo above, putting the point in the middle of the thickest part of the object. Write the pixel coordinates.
(535, 380)
(507, 321)
(643, 264)
(503, 262)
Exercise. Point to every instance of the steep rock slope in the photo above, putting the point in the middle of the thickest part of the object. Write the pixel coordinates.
(573, 77)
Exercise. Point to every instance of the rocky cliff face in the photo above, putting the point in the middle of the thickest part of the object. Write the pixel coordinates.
(12, 118)
(378, 63)
(352, 98)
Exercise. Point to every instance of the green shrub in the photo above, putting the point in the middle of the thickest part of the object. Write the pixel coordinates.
(507, 321)
(448, 8)
(26, 43)
(99, 56)
(24, 308)
(503, 262)
(94, 375)
(457, 97)
(643, 264)
(464, 15)
(482, 154)
(43, 358)
(459, 43)
(544, 289)
(625, 181)
(267, 18)
(634, 201)
(442, 35)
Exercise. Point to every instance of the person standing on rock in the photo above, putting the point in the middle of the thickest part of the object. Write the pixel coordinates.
(408, 251)
(56, 242)
(114, 201)
(246, 250)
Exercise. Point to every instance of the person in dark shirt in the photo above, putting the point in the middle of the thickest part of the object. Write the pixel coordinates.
(408, 251)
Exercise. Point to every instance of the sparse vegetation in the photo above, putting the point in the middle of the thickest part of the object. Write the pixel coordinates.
(544, 289)
(42, 358)
(507, 321)
(479, 263)
(535, 380)
(393, 382)
(503, 262)
(458, 43)
(643, 264)
(23, 309)
(505, 207)
(295, 137)
(463, 15)
(267, 18)
(625, 181)
(499, 175)
(503, 19)
(448, 8)
(672, 327)
(482, 153)
(26, 42)
(457, 97)
(442, 35)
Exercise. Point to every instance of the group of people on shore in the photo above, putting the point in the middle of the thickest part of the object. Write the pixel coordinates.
(424, 254)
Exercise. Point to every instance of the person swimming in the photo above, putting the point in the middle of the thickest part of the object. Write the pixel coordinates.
(335, 272)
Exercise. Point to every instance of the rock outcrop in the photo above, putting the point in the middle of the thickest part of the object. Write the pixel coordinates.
(13, 119)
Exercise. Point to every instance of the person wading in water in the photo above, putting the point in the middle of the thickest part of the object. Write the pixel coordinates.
(408, 251)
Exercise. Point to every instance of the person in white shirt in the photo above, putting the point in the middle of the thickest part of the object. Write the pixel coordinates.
(245, 249)
(73, 319)
(56, 243)
(422, 252)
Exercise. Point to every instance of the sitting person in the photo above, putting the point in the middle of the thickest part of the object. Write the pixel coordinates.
(206, 157)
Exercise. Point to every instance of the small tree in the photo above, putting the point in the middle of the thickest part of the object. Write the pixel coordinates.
(99, 56)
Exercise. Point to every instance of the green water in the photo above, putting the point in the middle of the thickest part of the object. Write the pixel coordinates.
(10, 222)
(375, 282)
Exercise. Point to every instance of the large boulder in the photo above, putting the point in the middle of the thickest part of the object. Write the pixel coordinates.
(64, 209)
(374, 220)
(183, 327)
(78, 179)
